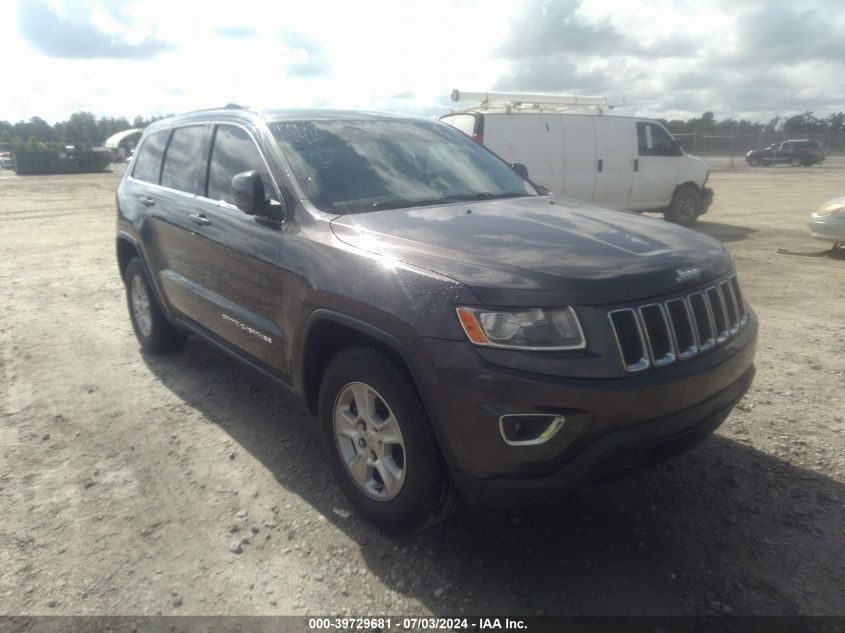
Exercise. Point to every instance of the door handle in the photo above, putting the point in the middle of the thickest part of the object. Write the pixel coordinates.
(636, 164)
(601, 164)
(199, 218)
(147, 201)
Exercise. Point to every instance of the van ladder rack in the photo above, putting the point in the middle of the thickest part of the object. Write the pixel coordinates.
(518, 102)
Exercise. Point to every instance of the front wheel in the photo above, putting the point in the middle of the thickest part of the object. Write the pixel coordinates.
(754, 161)
(685, 207)
(380, 443)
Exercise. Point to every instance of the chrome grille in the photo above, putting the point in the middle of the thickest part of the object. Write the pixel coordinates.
(629, 338)
(661, 333)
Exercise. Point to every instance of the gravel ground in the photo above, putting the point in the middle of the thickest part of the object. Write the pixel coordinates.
(190, 485)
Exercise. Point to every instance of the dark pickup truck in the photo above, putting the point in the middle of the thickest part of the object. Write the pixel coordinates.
(795, 153)
(452, 329)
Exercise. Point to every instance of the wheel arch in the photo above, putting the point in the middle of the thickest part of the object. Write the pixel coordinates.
(328, 331)
(688, 184)
(128, 247)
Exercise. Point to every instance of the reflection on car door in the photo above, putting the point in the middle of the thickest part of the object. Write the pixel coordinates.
(241, 291)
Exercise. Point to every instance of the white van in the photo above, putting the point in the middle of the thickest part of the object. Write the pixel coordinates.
(613, 161)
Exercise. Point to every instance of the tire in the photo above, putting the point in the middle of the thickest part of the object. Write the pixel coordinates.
(797, 162)
(417, 490)
(754, 161)
(685, 207)
(154, 332)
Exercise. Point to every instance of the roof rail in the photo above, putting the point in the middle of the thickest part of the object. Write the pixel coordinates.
(228, 106)
(515, 101)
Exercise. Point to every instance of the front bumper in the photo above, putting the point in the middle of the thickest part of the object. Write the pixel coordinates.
(830, 228)
(604, 417)
(706, 198)
(613, 453)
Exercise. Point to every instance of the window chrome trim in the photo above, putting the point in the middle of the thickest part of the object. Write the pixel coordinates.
(222, 204)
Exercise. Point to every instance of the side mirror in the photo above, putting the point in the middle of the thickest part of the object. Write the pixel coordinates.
(542, 189)
(675, 147)
(248, 192)
(521, 169)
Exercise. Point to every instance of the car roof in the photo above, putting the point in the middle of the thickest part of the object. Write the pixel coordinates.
(237, 113)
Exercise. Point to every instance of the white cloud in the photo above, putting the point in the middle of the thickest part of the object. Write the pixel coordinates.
(668, 58)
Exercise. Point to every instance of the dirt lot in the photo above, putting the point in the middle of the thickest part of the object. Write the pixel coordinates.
(125, 479)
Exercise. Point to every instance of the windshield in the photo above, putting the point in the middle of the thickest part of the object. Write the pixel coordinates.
(358, 166)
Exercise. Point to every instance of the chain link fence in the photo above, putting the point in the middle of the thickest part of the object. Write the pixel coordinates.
(727, 151)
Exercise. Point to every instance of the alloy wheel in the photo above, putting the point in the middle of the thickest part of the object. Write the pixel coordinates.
(369, 441)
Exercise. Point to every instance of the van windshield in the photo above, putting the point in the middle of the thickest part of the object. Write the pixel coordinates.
(367, 165)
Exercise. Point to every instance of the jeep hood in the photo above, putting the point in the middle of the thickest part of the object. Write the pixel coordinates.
(539, 250)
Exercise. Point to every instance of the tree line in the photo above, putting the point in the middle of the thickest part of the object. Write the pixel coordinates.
(85, 128)
(81, 128)
(805, 123)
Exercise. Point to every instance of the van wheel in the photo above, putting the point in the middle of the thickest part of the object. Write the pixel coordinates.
(685, 207)
(797, 162)
(154, 332)
(380, 443)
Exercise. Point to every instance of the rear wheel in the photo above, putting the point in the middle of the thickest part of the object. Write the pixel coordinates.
(685, 207)
(154, 332)
(380, 443)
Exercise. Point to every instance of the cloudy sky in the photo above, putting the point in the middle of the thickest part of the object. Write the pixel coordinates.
(667, 58)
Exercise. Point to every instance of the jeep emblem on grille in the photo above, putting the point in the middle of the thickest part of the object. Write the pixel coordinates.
(685, 275)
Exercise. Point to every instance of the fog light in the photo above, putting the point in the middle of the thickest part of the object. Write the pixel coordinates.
(529, 429)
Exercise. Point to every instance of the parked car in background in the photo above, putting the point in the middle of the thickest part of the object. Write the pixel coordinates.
(451, 328)
(7, 161)
(828, 223)
(798, 152)
(617, 162)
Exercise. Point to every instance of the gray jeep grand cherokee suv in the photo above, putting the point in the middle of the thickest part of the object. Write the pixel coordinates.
(452, 329)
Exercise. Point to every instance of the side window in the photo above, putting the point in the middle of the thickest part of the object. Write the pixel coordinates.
(463, 122)
(233, 151)
(786, 147)
(181, 158)
(147, 161)
(653, 140)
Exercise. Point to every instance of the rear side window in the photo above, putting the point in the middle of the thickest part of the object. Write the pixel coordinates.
(464, 122)
(653, 140)
(234, 151)
(180, 161)
(148, 160)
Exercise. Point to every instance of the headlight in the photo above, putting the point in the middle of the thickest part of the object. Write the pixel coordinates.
(831, 208)
(524, 328)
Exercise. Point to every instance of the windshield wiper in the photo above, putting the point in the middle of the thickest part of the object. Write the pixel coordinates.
(404, 203)
(482, 195)
(400, 203)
